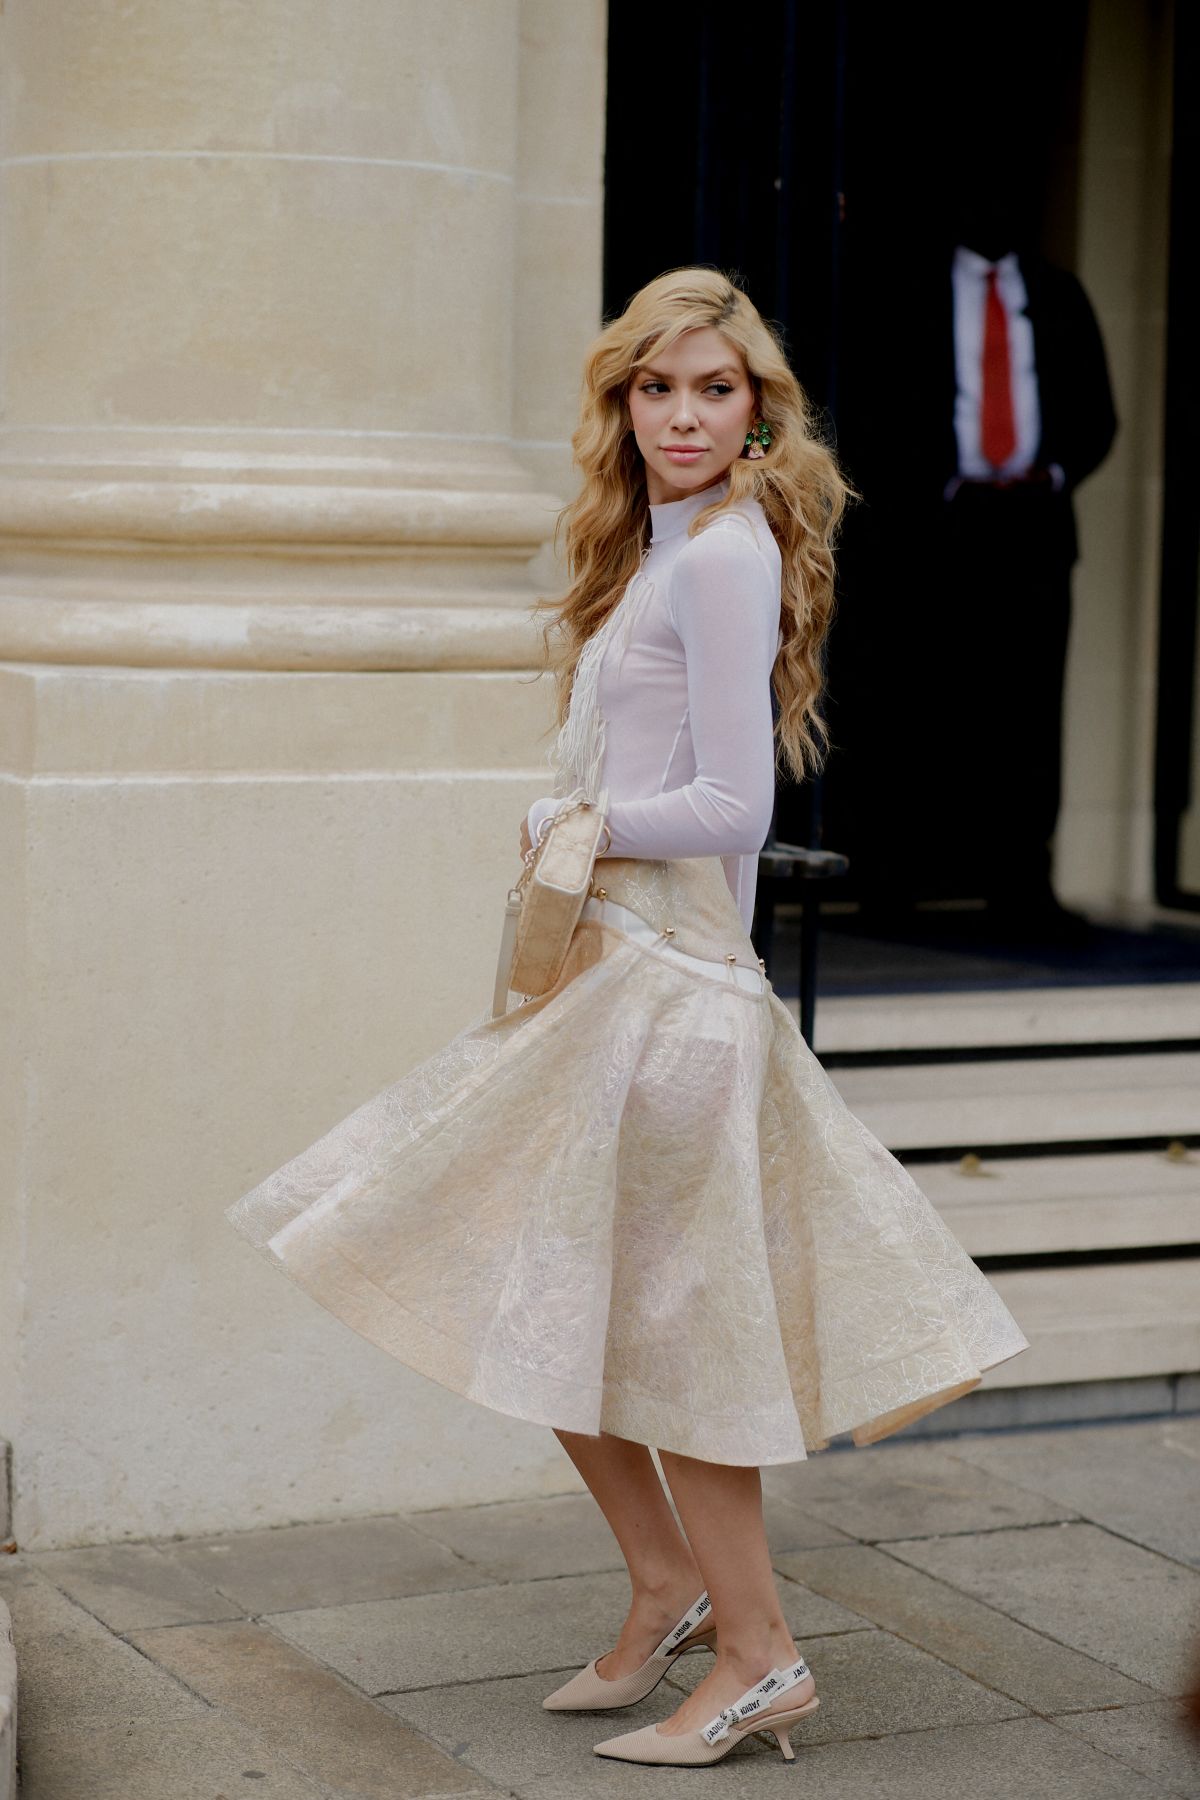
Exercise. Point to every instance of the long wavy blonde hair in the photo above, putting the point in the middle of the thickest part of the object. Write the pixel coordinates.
(797, 483)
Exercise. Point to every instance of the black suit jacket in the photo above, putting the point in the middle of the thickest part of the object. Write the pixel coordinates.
(896, 412)
(1075, 394)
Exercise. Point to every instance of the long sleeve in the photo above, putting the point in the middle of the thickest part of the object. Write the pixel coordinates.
(725, 612)
(724, 606)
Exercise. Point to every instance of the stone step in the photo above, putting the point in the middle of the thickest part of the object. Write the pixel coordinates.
(1145, 1012)
(1050, 1100)
(1102, 1322)
(1026, 1205)
(1062, 1403)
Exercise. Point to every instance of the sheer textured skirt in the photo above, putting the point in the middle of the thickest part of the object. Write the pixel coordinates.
(638, 1204)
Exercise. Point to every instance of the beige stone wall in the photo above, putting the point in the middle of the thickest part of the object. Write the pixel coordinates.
(558, 242)
(1104, 845)
(290, 316)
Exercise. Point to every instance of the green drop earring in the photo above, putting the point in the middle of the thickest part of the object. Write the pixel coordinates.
(758, 440)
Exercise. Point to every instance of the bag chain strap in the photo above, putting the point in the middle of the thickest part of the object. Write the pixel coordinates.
(530, 856)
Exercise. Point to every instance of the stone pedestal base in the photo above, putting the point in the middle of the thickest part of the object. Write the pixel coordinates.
(235, 904)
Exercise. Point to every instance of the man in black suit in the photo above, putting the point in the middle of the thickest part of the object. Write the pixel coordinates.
(1026, 414)
(949, 647)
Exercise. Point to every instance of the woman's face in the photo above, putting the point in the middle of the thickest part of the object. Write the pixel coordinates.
(691, 407)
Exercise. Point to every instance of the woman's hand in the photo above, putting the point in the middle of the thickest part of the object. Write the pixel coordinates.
(539, 812)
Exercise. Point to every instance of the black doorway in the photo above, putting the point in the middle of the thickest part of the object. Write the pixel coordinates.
(808, 152)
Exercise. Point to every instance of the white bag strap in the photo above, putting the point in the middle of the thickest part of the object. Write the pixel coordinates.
(504, 962)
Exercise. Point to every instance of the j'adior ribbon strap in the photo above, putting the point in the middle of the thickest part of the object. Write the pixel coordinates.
(755, 1700)
(687, 1624)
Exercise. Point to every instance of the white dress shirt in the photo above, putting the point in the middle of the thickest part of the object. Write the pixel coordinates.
(970, 296)
(969, 272)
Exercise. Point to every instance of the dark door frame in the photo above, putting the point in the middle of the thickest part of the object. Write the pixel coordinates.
(1179, 595)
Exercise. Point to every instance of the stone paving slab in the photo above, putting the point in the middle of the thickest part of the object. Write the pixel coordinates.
(870, 1684)
(902, 1490)
(330, 1564)
(1022, 1759)
(1152, 1739)
(385, 1646)
(201, 1757)
(132, 1585)
(333, 1734)
(74, 1672)
(526, 1540)
(1140, 1479)
(16, 1573)
(790, 1527)
(1045, 1676)
(391, 1645)
(1077, 1583)
(99, 1722)
(501, 1730)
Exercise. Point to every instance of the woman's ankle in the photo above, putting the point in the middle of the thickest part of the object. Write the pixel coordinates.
(666, 1589)
(749, 1653)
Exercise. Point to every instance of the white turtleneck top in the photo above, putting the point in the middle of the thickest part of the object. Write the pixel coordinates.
(683, 688)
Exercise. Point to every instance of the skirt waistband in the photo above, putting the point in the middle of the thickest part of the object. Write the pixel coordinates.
(611, 912)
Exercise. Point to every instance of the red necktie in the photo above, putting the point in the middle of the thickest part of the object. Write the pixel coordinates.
(997, 430)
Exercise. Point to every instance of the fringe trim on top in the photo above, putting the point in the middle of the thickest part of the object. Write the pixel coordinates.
(577, 755)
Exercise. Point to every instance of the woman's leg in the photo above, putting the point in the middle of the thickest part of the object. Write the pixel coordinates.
(663, 1574)
(721, 1510)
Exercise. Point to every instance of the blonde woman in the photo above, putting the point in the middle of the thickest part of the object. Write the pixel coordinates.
(635, 1209)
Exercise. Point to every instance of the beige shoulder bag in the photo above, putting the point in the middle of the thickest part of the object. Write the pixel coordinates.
(545, 905)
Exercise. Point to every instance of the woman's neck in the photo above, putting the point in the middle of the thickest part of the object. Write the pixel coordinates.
(671, 516)
(661, 493)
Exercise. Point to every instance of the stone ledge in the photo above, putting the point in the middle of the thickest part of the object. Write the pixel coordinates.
(1143, 1012)
(1101, 1322)
(231, 635)
(917, 1110)
(1062, 1403)
(174, 509)
(240, 559)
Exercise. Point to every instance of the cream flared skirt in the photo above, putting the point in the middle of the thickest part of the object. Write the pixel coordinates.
(638, 1204)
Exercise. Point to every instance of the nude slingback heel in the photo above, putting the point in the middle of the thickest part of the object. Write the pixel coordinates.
(590, 1691)
(757, 1710)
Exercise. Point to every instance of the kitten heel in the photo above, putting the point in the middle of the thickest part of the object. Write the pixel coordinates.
(781, 1729)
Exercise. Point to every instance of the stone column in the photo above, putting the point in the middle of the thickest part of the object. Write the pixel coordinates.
(268, 720)
(1104, 845)
(259, 296)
